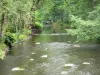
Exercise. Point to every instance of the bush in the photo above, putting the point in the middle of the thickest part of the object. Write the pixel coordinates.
(85, 30)
(26, 31)
(8, 38)
(38, 25)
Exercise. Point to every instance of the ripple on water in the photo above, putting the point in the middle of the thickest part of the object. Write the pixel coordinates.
(68, 45)
(64, 72)
(58, 45)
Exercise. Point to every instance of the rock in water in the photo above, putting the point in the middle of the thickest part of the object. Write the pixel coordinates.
(37, 43)
(17, 69)
(31, 59)
(69, 65)
(44, 56)
(86, 63)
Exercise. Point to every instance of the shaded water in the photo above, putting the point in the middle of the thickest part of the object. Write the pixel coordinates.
(52, 54)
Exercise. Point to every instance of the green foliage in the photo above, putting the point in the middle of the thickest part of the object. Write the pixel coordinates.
(84, 19)
(54, 10)
(38, 19)
(9, 37)
(19, 37)
(94, 15)
(2, 52)
(85, 30)
(39, 25)
(17, 19)
(26, 31)
(83, 16)
(22, 37)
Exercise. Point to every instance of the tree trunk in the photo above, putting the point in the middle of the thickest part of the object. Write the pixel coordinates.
(2, 25)
(33, 9)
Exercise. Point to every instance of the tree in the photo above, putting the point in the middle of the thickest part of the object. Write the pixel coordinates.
(3, 16)
(85, 20)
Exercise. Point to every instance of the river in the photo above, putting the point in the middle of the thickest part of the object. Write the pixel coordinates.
(52, 54)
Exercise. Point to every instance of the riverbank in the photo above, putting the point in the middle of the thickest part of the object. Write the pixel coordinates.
(17, 39)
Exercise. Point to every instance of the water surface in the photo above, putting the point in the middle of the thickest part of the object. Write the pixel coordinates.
(52, 54)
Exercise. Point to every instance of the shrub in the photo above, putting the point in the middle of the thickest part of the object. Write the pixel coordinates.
(85, 30)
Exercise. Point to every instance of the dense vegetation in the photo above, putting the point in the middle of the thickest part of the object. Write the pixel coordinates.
(85, 19)
(17, 17)
(16, 20)
(81, 16)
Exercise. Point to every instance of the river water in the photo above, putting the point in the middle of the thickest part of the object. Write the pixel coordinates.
(52, 54)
